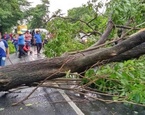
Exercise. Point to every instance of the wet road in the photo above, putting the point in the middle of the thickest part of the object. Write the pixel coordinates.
(49, 101)
(14, 57)
(44, 101)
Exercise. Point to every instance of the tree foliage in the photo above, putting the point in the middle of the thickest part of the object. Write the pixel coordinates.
(18, 10)
(64, 41)
(10, 13)
(82, 13)
(38, 15)
(125, 10)
(66, 30)
(124, 81)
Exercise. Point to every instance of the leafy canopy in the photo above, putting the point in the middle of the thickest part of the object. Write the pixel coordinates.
(10, 13)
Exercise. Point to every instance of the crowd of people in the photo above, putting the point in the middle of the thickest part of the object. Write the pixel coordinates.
(22, 43)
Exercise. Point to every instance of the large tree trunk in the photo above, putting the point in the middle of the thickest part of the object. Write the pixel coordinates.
(29, 72)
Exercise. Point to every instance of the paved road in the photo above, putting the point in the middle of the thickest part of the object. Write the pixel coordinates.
(49, 101)
(45, 101)
(14, 57)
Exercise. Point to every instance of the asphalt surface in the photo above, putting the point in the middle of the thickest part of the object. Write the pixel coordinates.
(44, 101)
(49, 101)
(14, 57)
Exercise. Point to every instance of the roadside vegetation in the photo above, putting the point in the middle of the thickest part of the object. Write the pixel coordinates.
(11, 47)
(124, 81)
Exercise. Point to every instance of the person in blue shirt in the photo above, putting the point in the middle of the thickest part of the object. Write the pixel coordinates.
(21, 43)
(4, 51)
(38, 41)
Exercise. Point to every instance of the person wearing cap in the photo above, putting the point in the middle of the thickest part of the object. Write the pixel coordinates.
(21, 43)
(4, 51)
(38, 41)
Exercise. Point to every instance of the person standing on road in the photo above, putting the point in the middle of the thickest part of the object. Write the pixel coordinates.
(21, 43)
(45, 41)
(15, 41)
(4, 51)
(28, 38)
(32, 40)
(6, 36)
(38, 41)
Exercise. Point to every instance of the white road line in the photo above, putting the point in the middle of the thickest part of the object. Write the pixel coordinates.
(71, 103)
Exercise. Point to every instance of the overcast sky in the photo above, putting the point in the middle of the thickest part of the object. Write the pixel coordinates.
(64, 5)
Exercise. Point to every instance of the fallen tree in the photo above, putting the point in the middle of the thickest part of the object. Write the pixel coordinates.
(29, 72)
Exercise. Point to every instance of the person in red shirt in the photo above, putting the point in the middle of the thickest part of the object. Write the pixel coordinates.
(11, 36)
(6, 36)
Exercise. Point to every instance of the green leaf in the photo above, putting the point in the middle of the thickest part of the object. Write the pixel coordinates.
(137, 97)
(90, 72)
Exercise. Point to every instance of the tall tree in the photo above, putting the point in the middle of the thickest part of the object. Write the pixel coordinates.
(11, 12)
(39, 14)
(124, 10)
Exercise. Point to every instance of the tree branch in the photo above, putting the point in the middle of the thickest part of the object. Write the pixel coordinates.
(105, 34)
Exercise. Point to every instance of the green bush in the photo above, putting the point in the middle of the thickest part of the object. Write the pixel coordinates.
(125, 79)
(11, 47)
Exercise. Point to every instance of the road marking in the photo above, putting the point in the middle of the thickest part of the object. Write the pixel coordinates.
(71, 103)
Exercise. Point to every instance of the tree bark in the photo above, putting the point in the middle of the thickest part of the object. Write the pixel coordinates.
(29, 72)
(105, 35)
